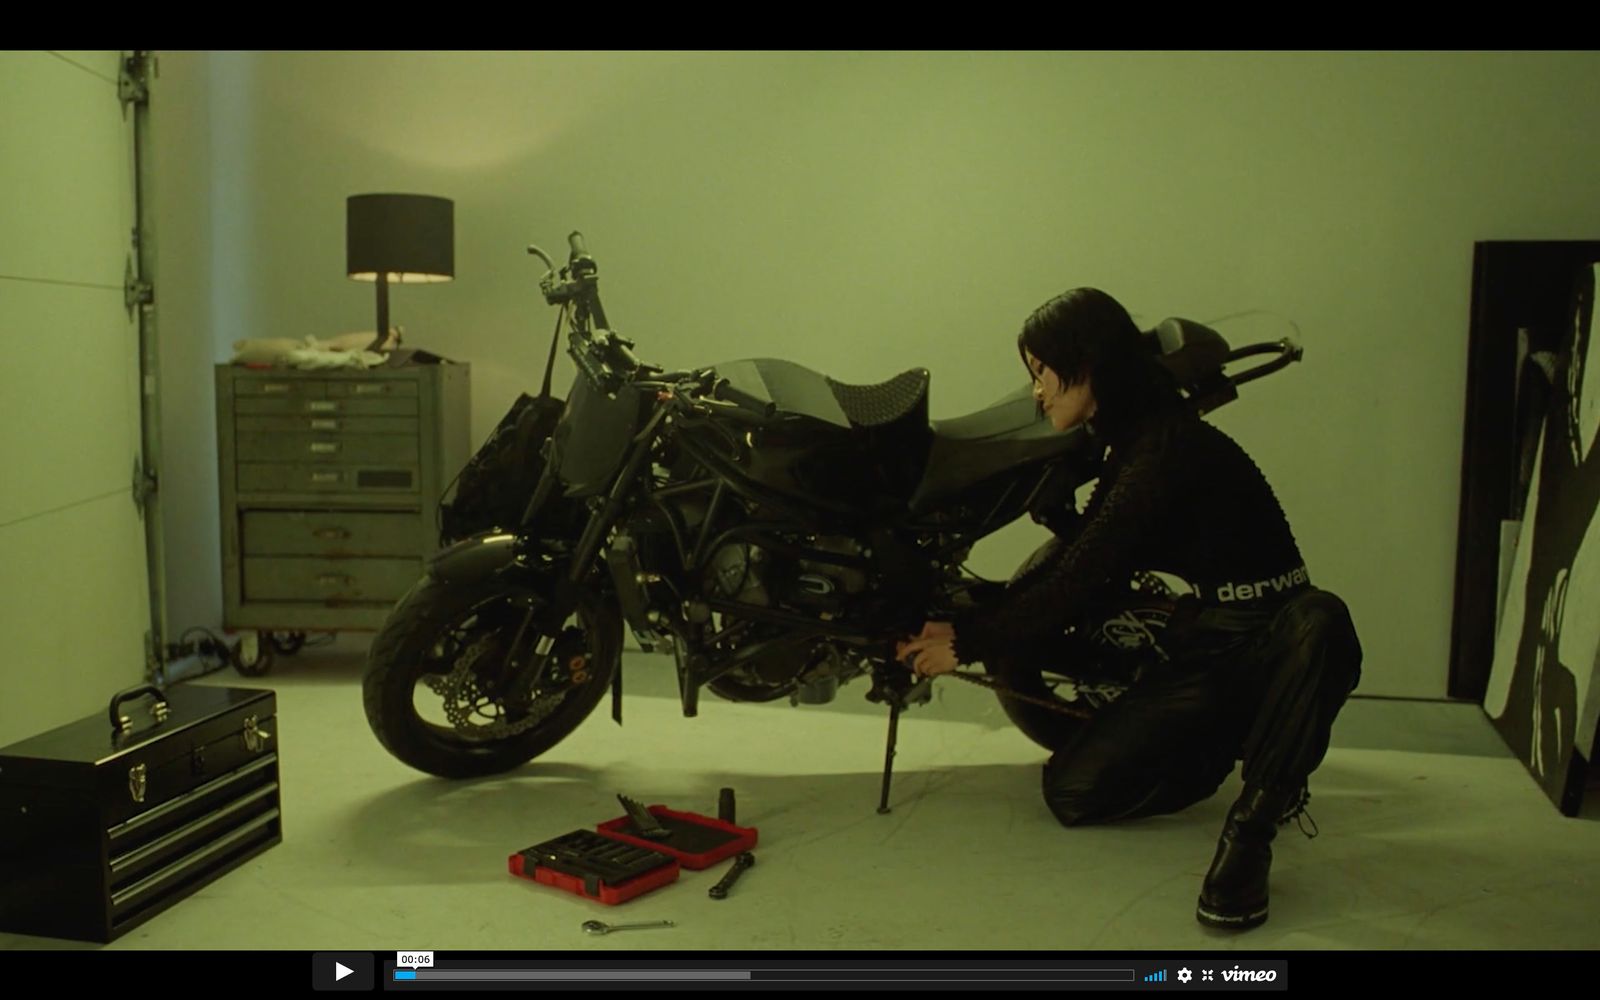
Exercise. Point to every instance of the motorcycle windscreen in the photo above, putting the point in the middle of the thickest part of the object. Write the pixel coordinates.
(592, 438)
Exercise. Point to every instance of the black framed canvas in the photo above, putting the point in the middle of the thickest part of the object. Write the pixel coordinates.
(1527, 614)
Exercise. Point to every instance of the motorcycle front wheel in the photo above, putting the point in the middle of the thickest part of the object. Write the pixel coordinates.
(441, 696)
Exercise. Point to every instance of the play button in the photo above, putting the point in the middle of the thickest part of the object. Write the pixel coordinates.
(342, 970)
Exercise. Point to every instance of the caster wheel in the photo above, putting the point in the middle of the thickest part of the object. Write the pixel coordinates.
(252, 657)
(287, 643)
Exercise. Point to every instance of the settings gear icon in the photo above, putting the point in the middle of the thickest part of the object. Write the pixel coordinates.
(1184, 975)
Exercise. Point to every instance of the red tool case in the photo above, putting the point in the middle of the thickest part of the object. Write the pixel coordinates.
(596, 867)
(696, 841)
(613, 864)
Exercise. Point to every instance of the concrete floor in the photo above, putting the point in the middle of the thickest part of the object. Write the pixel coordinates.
(1432, 837)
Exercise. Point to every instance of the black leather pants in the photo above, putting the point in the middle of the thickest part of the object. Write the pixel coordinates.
(1259, 685)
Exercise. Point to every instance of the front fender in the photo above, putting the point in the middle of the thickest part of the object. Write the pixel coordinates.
(475, 558)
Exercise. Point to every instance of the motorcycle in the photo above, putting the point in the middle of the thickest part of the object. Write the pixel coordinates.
(776, 529)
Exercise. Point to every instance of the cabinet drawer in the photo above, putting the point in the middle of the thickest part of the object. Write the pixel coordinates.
(311, 580)
(310, 423)
(374, 389)
(383, 406)
(246, 388)
(282, 477)
(387, 449)
(329, 533)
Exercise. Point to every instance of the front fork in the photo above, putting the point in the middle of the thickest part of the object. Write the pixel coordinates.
(546, 622)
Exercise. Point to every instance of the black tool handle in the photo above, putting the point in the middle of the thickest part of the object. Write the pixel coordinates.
(743, 861)
(159, 710)
(725, 806)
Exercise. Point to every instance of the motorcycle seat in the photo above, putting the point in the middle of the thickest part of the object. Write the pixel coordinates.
(884, 402)
(798, 390)
(969, 449)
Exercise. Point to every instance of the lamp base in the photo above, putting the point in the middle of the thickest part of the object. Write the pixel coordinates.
(383, 333)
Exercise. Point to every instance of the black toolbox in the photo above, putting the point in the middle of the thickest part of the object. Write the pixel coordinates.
(108, 821)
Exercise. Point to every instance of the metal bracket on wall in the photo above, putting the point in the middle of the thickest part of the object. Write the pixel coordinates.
(135, 290)
(145, 485)
(155, 663)
(133, 82)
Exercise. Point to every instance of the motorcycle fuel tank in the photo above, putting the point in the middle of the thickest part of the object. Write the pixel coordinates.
(813, 450)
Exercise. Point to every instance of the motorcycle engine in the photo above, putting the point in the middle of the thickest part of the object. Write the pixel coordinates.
(807, 668)
(750, 574)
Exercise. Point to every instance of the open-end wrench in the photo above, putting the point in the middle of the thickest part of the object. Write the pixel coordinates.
(743, 861)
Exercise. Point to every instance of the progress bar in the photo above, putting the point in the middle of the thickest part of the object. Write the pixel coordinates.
(766, 975)
(1003, 975)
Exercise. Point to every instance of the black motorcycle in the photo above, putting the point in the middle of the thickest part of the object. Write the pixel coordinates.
(776, 529)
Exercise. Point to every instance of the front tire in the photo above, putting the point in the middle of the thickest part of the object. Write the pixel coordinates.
(453, 638)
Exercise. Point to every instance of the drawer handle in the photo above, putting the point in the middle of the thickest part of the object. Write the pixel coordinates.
(334, 579)
(325, 477)
(274, 387)
(324, 447)
(323, 405)
(370, 390)
(332, 533)
(324, 425)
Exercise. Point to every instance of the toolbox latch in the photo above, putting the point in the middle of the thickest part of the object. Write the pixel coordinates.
(255, 738)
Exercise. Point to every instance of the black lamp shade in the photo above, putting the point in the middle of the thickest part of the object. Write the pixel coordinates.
(409, 237)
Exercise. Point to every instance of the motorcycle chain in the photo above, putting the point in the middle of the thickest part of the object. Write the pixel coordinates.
(1001, 689)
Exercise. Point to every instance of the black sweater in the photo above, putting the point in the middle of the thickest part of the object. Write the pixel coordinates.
(1176, 495)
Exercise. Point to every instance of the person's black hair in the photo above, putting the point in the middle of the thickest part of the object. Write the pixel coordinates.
(1085, 333)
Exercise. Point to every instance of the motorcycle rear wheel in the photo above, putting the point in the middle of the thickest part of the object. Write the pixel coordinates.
(441, 631)
(1051, 730)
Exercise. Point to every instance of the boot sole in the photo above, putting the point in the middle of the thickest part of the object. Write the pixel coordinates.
(1230, 921)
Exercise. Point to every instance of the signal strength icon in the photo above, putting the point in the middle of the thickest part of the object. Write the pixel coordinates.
(1156, 977)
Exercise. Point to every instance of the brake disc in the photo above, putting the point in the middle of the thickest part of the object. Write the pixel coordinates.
(465, 701)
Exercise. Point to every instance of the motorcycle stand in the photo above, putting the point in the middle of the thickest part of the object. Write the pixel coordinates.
(899, 689)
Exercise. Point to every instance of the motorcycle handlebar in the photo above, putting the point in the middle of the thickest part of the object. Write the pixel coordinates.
(623, 355)
(724, 391)
(595, 370)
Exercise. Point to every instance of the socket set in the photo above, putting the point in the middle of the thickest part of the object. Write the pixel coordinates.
(595, 866)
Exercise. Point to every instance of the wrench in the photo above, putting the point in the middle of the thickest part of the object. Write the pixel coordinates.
(743, 861)
(601, 927)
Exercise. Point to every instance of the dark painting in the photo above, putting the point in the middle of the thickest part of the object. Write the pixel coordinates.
(1541, 693)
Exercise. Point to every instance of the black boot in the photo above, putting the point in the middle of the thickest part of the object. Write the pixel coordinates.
(1235, 893)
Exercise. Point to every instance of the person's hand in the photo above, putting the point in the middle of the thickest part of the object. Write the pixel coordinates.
(937, 630)
(928, 657)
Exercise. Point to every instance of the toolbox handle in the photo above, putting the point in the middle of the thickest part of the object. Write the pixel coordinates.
(160, 710)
